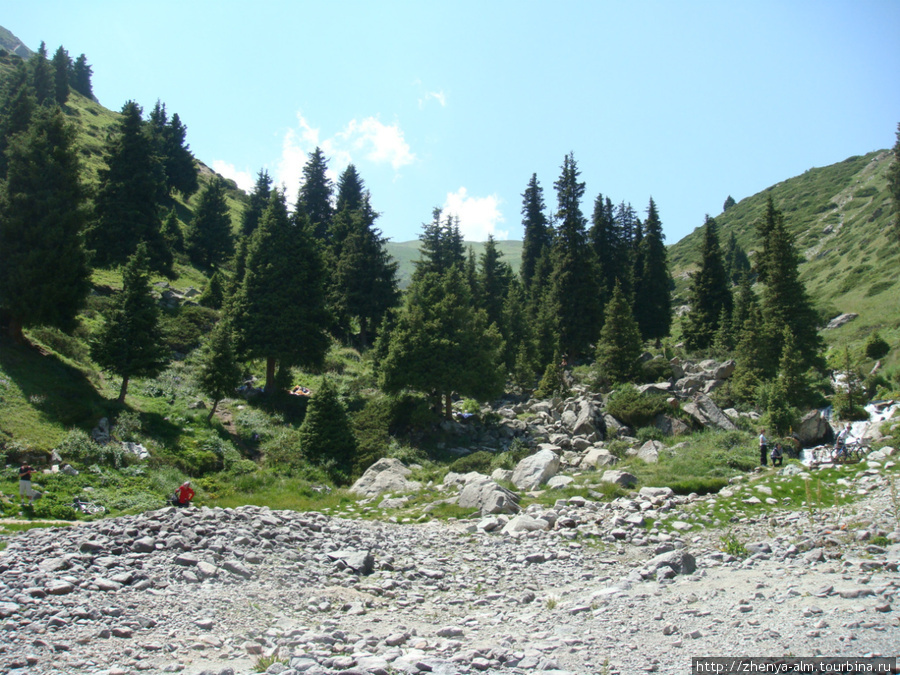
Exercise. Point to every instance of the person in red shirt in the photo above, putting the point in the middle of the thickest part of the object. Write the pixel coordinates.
(183, 494)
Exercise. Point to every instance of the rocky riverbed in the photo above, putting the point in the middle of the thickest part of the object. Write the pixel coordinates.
(595, 590)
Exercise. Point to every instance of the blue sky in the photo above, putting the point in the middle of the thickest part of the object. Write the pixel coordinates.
(456, 104)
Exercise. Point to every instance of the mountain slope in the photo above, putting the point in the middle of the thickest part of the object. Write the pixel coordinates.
(840, 216)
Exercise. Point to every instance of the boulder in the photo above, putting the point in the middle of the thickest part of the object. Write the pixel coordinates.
(525, 523)
(841, 319)
(649, 451)
(596, 457)
(707, 413)
(670, 426)
(813, 429)
(536, 469)
(488, 497)
(622, 478)
(360, 562)
(385, 475)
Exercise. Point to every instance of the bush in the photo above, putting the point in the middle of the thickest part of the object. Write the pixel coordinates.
(184, 327)
(876, 347)
(479, 461)
(79, 447)
(128, 426)
(630, 406)
(656, 370)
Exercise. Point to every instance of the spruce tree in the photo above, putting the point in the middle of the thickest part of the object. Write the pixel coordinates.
(737, 264)
(44, 277)
(126, 209)
(610, 248)
(538, 235)
(213, 295)
(42, 76)
(208, 238)
(219, 372)
(257, 203)
(315, 194)
(171, 232)
(653, 283)
(619, 346)
(494, 279)
(130, 342)
(785, 302)
(62, 65)
(442, 343)
(279, 310)
(16, 109)
(351, 190)
(326, 436)
(81, 77)
(710, 292)
(364, 274)
(753, 354)
(181, 169)
(574, 290)
(894, 183)
(442, 246)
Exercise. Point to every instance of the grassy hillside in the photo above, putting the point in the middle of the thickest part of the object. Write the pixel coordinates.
(840, 216)
(407, 252)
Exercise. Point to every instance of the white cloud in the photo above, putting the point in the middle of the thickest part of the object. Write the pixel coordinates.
(478, 216)
(244, 179)
(438, 96)
(368, 139)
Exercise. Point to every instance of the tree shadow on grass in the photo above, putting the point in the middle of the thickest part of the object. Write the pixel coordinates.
(61, 392)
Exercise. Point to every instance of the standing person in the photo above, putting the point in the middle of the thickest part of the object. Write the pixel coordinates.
(25, 489)
(763, 448)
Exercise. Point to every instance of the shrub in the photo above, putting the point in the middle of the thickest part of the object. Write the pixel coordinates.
(128, 426)
(326, 436)
(629, 405)
(656, 370)
(876, 347)
(479, 461)
(183, 328)
(79, 447)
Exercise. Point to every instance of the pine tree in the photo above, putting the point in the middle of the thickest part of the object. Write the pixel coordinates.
(729, 202)
(208, 238)
(710, 292)
(351, 190)
(219, 372)
(130, 342)
(653, 283)
(171, 232)
(441, 343)
(213, 295)
(326, 436)
(494, 279)
(538, 235)
(365, 275)
(16, 109)
(737, 264)
(62, 65)
(442, 246)
(127, 203)
(44, 277)
(610, 248)
(315, 194)
(169, 141)
(259, 200)
(42, 77)
(620, 340)
(753, 365)
(894, 183)
(81, 77)
(785, 302)
(574, 291)
(280, 310)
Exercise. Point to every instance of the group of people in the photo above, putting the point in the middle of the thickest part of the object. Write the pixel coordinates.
(840, 447)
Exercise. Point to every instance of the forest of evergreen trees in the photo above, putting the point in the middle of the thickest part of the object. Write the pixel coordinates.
(290, 280)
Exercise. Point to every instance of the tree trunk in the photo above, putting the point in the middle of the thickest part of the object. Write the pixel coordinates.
(270, 374)
(448, 405)
(15, 331)
(362, 334)
(124, 389)
(213, 411)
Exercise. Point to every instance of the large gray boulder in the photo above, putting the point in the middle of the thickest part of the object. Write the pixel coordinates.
(649, 451)
(707, 413)
(536, 469)
(813, 429)
(596, 457)
(622, 478)
(488, 497)
(385, 475)
(670, 426)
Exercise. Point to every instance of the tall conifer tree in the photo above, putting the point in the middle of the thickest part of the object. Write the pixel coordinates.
(574, 291)
(126, 209)
(44, 277)
(259, 200)
(315, 194)
(710, 292)
(81, 77)
(130, 343)
(16, 109)
(619, 346)
(894, 183)
(208, 239)
(62, 65)
(653, 295)
(538, 235)
(42, 76)
(279, 311)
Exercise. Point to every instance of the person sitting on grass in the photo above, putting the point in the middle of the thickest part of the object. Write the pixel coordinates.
(183, 494)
